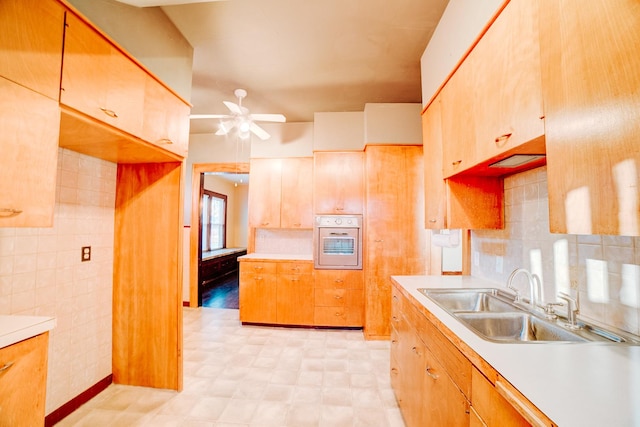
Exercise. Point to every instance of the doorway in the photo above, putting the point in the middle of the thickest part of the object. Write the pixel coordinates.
(195, 240)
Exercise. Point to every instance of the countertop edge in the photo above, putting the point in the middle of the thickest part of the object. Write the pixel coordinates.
(276, 257)
(16, 328)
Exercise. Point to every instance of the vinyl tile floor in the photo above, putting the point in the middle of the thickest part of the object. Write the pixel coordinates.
(258, 376)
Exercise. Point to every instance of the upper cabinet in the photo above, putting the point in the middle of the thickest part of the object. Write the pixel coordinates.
(591, 82)
(338, 182)
(507, 94)
(99, 80)
(31, 44)
(112, 107)
(279, 195)
(29, 146)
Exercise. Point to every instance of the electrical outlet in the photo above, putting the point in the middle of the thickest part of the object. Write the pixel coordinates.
(86, 253)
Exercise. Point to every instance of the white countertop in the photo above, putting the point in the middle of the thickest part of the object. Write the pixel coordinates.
(18, 328)
(276, 257)
(574, 384)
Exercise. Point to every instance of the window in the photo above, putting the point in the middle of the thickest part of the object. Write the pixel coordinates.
(214, 220)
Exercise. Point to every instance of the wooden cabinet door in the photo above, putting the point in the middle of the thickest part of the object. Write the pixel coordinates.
(443, 403)
(99, 80)
(338, 182)
(434, 184)
(265, 193)
(295, 294)
(23, 382)
(395, 235)
(30, 123)
(31, 42)
(258, 292)
(590, 80)
(458, 121)
(296, 208)
(492, 408)
(166, 118)
(507, 91)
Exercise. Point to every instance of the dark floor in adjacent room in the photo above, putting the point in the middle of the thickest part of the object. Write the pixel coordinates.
(222, 293)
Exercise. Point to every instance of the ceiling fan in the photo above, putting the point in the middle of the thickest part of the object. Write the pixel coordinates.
(240, 118)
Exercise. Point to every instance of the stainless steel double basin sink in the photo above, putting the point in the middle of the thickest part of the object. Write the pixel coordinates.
(493, 315)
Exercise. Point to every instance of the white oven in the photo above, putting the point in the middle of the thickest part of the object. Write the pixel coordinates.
(338, 242)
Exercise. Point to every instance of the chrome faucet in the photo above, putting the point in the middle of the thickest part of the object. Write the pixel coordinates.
(573, 308)
(534, 286)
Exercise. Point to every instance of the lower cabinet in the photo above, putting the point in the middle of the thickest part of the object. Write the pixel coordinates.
(436, 384)
(294, 297)
(258, 284)
(23, 381)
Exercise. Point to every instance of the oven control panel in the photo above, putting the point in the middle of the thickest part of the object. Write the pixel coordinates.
(351, 221)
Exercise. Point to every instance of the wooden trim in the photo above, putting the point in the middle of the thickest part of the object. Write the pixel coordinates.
(465, 241)
(194, 236)
(65, 410)
(466, 53)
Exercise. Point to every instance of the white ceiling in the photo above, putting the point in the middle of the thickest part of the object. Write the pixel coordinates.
(297, 57)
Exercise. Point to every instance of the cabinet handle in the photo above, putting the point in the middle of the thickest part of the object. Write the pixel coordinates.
(339, 209)
(433, 220)
(503, 137)
(339, 280)
(259, 278)
(379, 241)
(338, 314)
(296, 224)
(109, 113)
(338, 297)
(456, 163)
(8, 212)
(430, 373)
(258, 267)
(265, 223)
(165, 141)
(5, 367)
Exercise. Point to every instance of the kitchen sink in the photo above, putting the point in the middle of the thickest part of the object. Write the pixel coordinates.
(475, 300)
(493, 315)
(516, 327)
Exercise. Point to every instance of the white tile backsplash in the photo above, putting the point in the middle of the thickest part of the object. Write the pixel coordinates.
(604, 270)
(284, 241)
(41, 274)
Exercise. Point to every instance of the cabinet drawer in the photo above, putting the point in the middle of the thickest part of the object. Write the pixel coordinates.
(295, 268)
(338, 298)
(339, 279)
(493, 409)
(257, 267)
(338, 316)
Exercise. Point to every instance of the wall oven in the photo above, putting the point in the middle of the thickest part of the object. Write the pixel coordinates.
(337, 242)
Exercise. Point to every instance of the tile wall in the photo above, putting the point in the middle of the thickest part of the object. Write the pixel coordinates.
(41, 274)
(604, 270)
(280, 241)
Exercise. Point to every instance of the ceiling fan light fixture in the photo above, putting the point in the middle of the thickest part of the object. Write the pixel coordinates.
(244, 126)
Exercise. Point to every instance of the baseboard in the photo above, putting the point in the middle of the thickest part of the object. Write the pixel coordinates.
(66, 409)
(185, 303)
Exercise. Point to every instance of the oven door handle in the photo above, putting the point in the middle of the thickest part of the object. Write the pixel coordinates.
(339, 234)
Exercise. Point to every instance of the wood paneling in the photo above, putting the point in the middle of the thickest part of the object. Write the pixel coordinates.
(147, 291)
(23, 383)
(29, 146)
(590, 80)
(31, 44)
(394, 228)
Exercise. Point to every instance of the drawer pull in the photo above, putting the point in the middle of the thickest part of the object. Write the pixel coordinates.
(8, 212)
(6, 367)
(265, 223)
(379, 241)
(339, 280)
(456, 163)
(257, 267)
(109, 113)
(432, 220)
(429, 371)
(503, 137)
(296, 224)
(165, 141)
(338, 297)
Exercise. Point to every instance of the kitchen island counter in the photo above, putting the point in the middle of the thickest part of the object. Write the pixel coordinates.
(574, 384)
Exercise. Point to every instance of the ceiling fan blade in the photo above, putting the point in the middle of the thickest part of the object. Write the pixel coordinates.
(234, 108)
(269, 118)
(225, 127)
(259, 132)
(209, 116)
